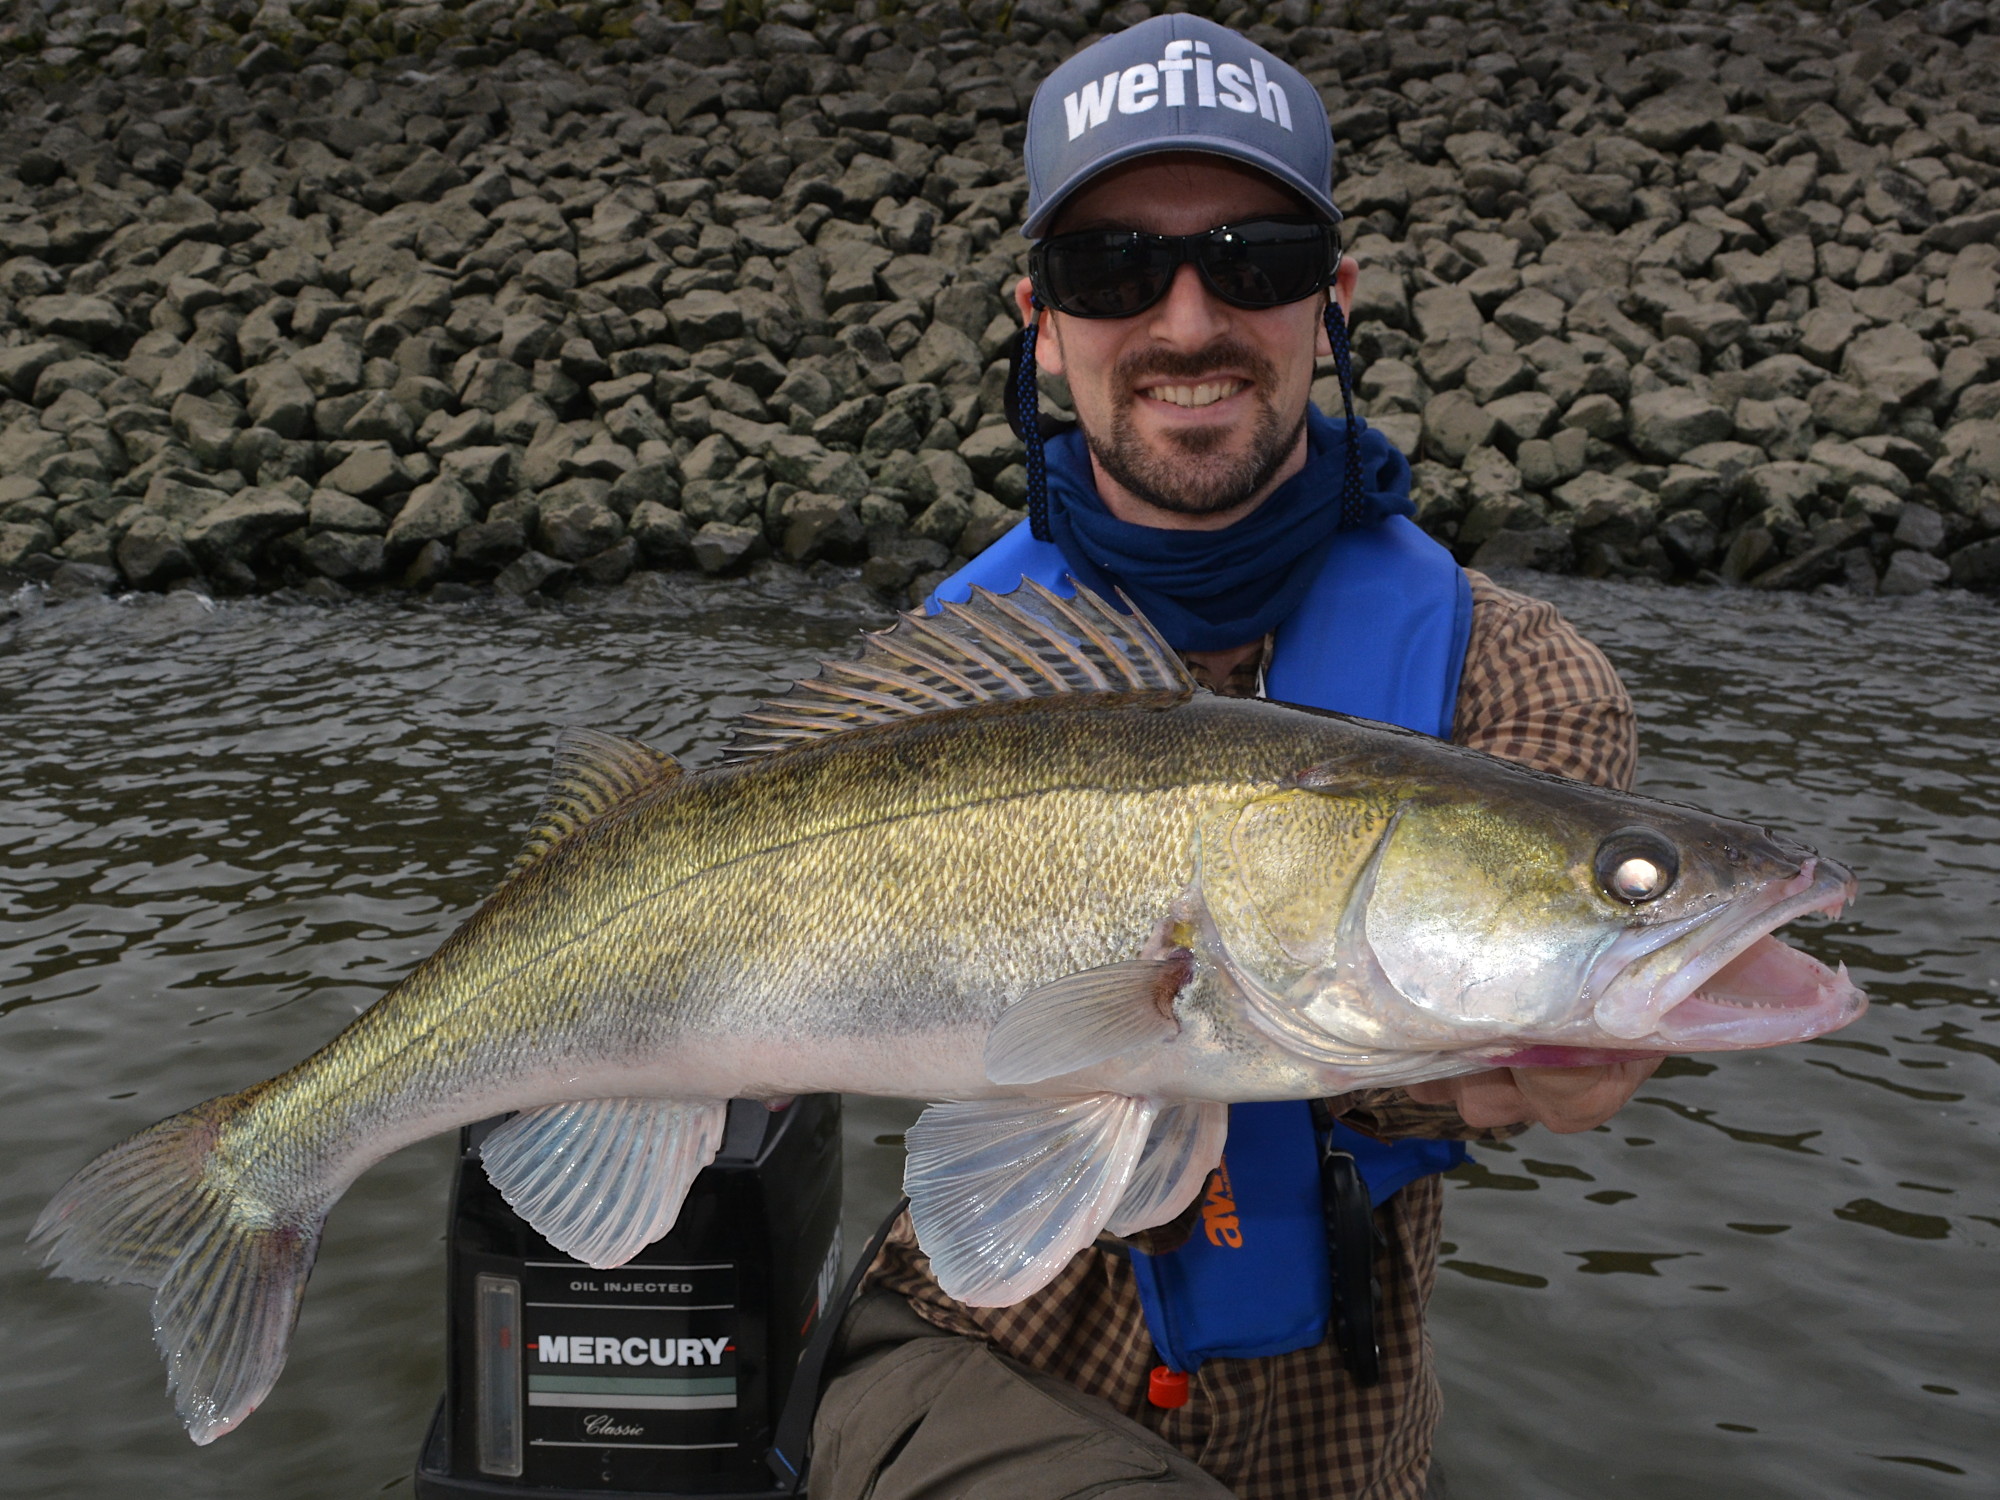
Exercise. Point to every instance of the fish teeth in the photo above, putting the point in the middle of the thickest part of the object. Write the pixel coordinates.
(1206, 394)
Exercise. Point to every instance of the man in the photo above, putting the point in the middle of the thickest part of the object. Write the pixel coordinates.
(1186, 275)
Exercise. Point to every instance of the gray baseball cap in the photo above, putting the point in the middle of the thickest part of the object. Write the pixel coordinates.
(1175, 83)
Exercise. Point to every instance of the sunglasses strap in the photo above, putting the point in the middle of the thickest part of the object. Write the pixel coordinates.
(1353, 506)
(1025, 417)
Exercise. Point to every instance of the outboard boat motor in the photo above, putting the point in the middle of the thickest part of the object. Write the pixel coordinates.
(692, 1370)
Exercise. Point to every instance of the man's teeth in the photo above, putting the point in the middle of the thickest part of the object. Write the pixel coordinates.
(1206, 394)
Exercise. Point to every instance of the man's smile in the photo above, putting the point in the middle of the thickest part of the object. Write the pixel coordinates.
(1206, 393)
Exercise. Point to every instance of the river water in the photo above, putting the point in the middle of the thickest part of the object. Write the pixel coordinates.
(226, 829)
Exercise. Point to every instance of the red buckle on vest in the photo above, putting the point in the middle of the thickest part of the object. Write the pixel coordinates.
(1167, 1388)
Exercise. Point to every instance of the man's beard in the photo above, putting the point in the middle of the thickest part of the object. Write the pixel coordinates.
(1188, 472)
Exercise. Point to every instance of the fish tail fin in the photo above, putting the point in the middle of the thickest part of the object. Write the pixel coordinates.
(160, 1210)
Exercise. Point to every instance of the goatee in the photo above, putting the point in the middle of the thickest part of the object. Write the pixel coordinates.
(1189, 471)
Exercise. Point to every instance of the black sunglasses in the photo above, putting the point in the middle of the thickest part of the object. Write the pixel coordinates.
(1118, 273)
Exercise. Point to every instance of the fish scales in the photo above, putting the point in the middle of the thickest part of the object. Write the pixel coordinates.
(1011, 861)
(946, 864)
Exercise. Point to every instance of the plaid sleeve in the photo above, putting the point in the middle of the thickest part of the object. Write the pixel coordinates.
(1392, 1115)
(1536, 691)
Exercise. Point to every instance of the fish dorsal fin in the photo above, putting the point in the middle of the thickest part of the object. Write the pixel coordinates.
(591, 773)
(1031, 643)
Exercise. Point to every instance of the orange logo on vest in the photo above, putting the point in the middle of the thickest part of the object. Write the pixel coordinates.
(1218, 1210)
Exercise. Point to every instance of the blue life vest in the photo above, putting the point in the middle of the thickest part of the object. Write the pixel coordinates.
(1380, 634)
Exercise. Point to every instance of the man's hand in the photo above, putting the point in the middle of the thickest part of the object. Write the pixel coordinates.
(1564, 1099)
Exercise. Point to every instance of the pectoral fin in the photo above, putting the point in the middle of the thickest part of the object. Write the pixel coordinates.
(1185, 1145)
(1086, 1018)
(601, 1179)
(1003, 1192)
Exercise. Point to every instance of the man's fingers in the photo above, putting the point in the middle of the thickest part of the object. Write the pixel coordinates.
(1566, 1100)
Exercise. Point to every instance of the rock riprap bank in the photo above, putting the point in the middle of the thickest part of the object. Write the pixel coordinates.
(443, 297)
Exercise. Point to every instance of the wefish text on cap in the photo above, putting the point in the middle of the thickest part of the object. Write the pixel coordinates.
(1175, 83)
(1143, 85)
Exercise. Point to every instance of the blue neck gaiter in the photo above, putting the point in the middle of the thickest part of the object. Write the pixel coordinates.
(1210, 590)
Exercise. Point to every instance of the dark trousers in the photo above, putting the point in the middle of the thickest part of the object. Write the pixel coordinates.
(915, 1413)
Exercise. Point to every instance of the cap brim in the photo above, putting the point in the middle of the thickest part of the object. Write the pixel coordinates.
(1206, 145)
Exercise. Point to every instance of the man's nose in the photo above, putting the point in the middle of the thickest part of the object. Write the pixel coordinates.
(1190, 316)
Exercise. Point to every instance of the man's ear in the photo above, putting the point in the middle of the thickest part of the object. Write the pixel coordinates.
(1347, 277)
(1048, 351)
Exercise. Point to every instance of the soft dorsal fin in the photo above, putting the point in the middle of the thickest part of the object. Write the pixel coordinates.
(1031, 643)
(591, 772)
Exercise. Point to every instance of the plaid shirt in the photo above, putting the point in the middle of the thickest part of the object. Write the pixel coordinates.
(1292, 1426)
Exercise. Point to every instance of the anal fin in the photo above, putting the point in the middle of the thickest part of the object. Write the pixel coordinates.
(1003, 1192)
(601, 1179)
(1185, 1144)
(1086, 1018)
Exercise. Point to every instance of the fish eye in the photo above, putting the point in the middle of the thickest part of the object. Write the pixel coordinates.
(1636, 865)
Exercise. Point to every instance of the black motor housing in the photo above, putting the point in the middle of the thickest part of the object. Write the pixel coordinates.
(663, 1377)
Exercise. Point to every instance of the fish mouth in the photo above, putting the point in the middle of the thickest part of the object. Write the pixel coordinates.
(1744, 987)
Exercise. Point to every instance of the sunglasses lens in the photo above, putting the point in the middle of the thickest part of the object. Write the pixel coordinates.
(1266, 264)
(1117, 274)
(1112, 275)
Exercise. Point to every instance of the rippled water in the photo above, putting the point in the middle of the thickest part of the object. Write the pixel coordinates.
(224, 831)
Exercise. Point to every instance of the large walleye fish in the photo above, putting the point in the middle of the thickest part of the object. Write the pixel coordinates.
(1012, 859)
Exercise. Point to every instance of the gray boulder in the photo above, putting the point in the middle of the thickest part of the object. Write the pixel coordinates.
(1531, 314)
(662, 534)
(1665, 424)
(578, 526)
(1912, 572)
(332, 367)
(1685, 115)
(989, 450)
(1454, 425)
(1968, 471)
(280, 399)
(702, 318)
(1714, 326)
(819, 526)
(1977, 566)
(530, 573)
(1920, 527)
(369, 472)
(1690, 538)
(240, 526)
(1543, 549)
(330, 510)
(1521, 417)
(940, 476)
(21, 540)
(89, 320)
(1891, 362)
(1445, 312)
(344, 556)
(1848, 466)
(433, 513)
(719, 547)
(943, 355)
(153, 553)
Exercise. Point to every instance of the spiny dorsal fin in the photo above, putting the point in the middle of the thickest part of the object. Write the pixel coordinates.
(1031, 643)
(591, 773)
